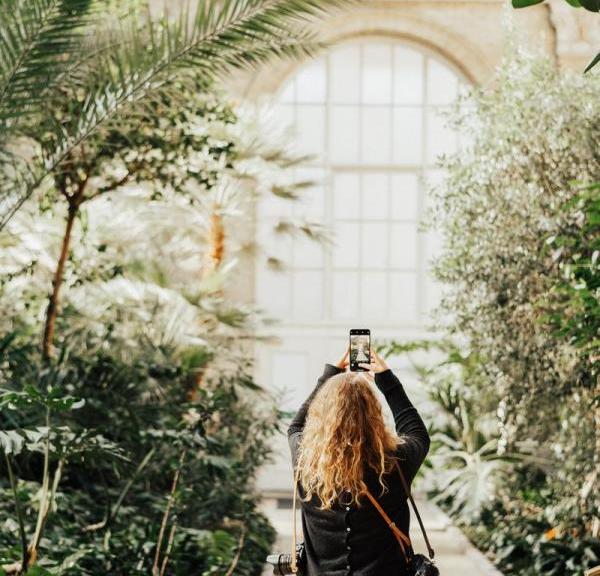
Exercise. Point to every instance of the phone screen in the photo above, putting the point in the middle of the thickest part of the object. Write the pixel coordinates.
(360, 348)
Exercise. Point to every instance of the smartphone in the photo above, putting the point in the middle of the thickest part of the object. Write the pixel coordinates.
(360, 348)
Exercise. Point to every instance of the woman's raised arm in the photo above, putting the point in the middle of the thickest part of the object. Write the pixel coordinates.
(296, 426)
(409, 424)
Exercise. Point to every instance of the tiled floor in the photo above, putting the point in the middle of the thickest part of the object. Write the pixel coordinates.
(455, 556)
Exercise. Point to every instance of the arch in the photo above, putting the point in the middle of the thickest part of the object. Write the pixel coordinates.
(452, 49)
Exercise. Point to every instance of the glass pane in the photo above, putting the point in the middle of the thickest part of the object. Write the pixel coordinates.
(440, 138)
(283, 115)
(311, 82)
(344, 133)
(287, 93)
(310, 122)
(408, 76)
(403, 297)
(346, 242)
(344, 75)
(308, 295)
(346, 195)
(345, 295)
(377, 74)
(273, 292)
(289, 377)
(308, 253)
(376, 137)
(404, 197)
(374, 196)
(374, 301)
(278, 244)
(374, 245)
(311, 202)
(407, 135)
(403, 245)
(271, 206)
(442, 83)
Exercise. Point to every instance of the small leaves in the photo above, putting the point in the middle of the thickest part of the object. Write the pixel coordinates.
(525, 3)
(11, 442)
(593, 63)
(591, 5)
(30, 395)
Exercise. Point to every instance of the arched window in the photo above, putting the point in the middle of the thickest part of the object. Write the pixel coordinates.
(369, 113)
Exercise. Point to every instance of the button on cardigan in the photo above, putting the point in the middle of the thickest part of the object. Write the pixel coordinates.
(351, 540)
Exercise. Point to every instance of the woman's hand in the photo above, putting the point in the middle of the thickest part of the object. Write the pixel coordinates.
(378, 364)
(343, 362)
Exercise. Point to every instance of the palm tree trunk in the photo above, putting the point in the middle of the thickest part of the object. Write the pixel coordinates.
(54, 298)
(213, 258)
(215, 240)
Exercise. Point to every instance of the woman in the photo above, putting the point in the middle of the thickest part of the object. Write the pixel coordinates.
(340, 448)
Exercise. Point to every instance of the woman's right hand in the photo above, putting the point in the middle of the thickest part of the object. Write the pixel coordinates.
(377, 364)
(343, 362)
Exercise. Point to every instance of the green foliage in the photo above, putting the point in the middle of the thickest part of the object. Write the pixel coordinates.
(573, 306)
(517, 432)
(148, 339)
(108, 511)
(497, 207)
(109, 70)
(466, 465)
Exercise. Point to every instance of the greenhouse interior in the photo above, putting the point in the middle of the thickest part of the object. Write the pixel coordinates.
(258, 256)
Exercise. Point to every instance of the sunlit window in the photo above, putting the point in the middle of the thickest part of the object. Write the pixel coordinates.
(369, 112)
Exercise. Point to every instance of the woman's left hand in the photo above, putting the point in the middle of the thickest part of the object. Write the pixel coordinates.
(343, 362)
(377, 364)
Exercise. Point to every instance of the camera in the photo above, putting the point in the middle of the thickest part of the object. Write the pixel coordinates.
(282, 563)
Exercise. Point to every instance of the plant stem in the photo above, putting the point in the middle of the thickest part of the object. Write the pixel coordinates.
(113, 511)
(165, 518)
(238, 553)
(13, 484)
(39, 526)
(163, 567)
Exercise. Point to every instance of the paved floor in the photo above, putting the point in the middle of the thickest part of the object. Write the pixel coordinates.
(455, 555)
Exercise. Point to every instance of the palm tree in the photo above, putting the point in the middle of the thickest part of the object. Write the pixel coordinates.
(46, 45)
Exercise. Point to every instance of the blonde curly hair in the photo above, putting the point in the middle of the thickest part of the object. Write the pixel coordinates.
(344, 435)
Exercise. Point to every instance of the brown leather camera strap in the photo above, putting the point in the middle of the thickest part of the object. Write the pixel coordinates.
(294, 566)
(406, 487)
(400, 536)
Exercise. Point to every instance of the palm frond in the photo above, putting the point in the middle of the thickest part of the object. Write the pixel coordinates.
(221, 36)
(37, 37)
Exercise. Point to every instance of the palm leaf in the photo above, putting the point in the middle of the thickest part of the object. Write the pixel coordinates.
(36, 39)
(222, 35)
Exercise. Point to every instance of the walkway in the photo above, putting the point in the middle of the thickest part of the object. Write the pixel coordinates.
(454, 553)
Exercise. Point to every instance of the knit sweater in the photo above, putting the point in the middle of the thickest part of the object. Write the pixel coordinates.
(356, 540)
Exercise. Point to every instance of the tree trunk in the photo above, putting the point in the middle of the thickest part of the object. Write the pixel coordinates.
(215, 240)
(54, 298)
(213, 258)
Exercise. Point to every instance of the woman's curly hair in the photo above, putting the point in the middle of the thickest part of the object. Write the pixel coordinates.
(344, 435)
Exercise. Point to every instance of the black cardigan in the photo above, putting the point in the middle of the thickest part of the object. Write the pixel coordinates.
(353, 540)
